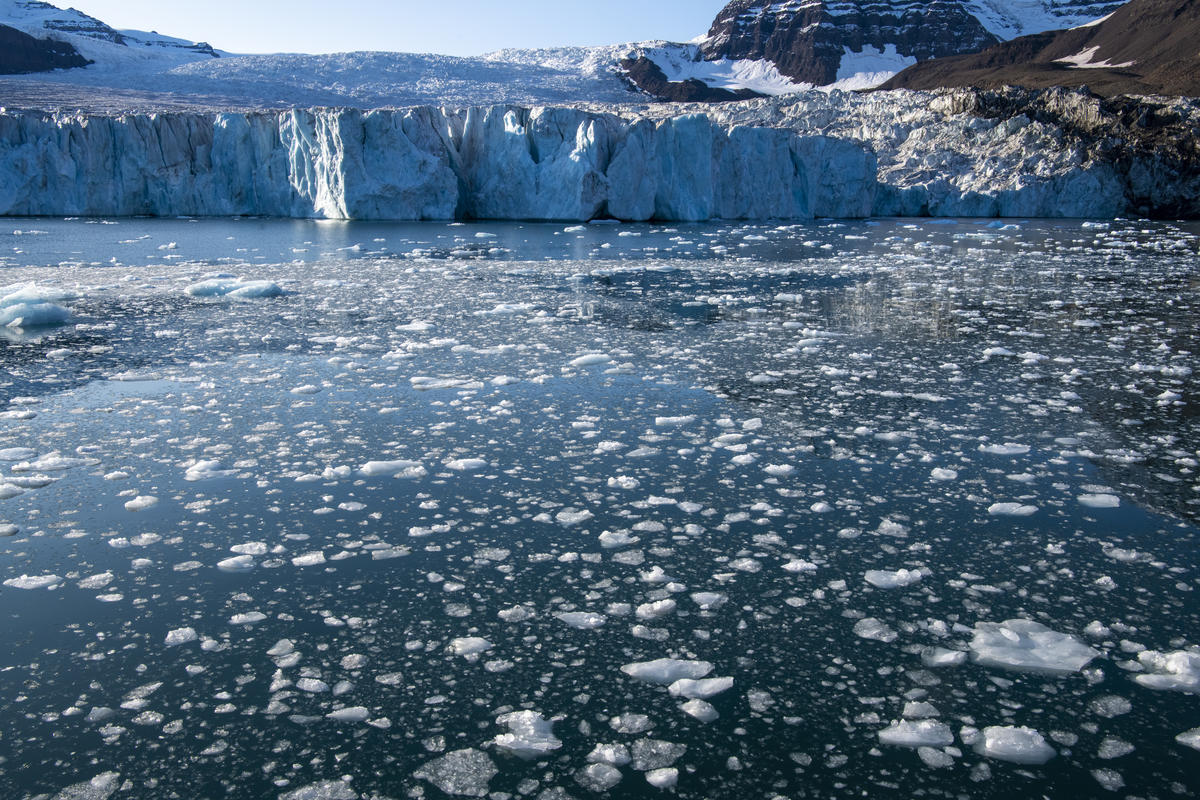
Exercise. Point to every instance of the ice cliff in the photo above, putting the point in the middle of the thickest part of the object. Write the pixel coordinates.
(821, 155)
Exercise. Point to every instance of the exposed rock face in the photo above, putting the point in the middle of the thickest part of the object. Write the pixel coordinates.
(1145, 47)
(951, 153)
(21, 53)
(648, 76)
(807, 40)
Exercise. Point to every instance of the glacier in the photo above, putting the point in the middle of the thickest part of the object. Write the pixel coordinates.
(949, 153)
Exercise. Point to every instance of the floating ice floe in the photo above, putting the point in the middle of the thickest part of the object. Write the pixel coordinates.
(101, 787)
(34, 582)
(469, 647)
(181, 636)
(141, 503)
(1019, 745)
(1099, 500)
(32, 306)
(875, 630)
(665, 671)
(582, 620)
(1025, 645)
(1190, 738)
(1011, 510)
(591, 360)
(238, 288)
(463, 773)
(1177, 671)
(917, 733)
(530, 735)
(701, 689)
(322, 790)
(397, 469)
(883, 579)
(206, 470)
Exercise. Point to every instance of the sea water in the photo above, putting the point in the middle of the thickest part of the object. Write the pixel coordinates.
(341, 510)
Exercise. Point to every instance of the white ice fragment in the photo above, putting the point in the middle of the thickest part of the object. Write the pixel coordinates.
(674, 422)
(243, 563)
(582, 620)
(462, 773)
(141, 503)
(701, 689)
(883, 579)
(398, 469)
(34, 582)
(1024, 645)
(623, 538)
(101, 787)
(591, 359)
(352, 714)
(942, 474)
(1011, 510)
(466, 464)
(180, 636)
(1190, 738)
(469, 647)
(234, 287)
(917, 733)
(573, 516)
(663, 778)
(206, 470)
(248, 618)
(598, 777)
(873, 629)
(1099, 500)
(701, 710)
(1020, 745)
(310, 559)
(665, 671)
(1006, 449)
(530, 735)
(1177, 671)
(322, 790)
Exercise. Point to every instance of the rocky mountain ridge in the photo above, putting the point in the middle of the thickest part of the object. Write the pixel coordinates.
(1144, 47)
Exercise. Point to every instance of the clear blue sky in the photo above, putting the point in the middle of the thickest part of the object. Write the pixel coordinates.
(456, 27)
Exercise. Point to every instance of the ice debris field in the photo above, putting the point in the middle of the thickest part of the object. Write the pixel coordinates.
(329, 511)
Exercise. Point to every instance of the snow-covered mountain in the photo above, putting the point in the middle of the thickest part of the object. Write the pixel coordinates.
(854, 44)
(97, 42)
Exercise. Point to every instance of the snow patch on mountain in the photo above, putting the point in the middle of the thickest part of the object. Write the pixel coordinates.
(870, 67)
(1008, 19)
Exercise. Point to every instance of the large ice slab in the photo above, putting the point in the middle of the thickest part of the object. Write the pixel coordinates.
(1022, 644)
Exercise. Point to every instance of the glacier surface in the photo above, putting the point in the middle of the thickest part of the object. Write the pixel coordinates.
(811, 155)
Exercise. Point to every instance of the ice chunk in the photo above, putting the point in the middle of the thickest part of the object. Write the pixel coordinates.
(234, 287)
(32, 307)
(1178, 671)
(34, 582)
(1190, 738)
(141, 503)
(871, 628)
(395, 468)
(664, 778)
(702, 689)
(243, 563)
(470, 647)
(700, 709)
(1019, 745)
(101, 787)
(665, 671)
(884, 579)
(1006, 449)
(206, 470)
(598, 777)
(181, 636)
(530, 735)
(466, 464)
(615, 754)
(1011, 510)
(322, 790)
(917, 733)
(1025, 645)
(582, 620)
(351, 714)
(591, 360)
(1099, 500)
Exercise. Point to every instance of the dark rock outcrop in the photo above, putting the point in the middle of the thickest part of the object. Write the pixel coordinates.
(647, 76)
(807, 40)
(21, 53)
(1145, 47)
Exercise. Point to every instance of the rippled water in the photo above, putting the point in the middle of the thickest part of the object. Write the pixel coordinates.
(470, 470)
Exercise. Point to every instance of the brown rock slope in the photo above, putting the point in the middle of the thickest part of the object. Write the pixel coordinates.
(1144, 47)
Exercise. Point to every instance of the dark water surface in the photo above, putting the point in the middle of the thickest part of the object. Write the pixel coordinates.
(828, 460)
